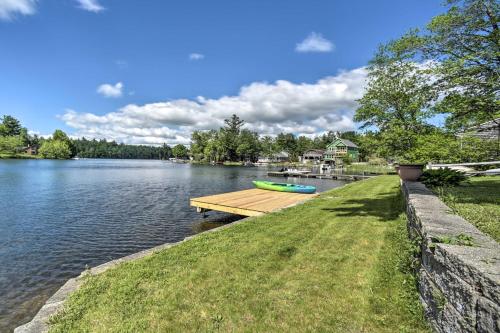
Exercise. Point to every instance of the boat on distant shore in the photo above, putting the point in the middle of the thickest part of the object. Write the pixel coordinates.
(283, 187)
(177, 160)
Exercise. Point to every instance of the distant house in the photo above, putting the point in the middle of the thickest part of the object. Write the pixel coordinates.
(489, 130)
(339, 149)
(31, 150)
(312, 155)
(275, 158)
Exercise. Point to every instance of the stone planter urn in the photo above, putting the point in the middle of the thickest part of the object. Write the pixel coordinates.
(411, 172)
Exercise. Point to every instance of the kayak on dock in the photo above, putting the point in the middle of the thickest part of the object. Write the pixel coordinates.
(282, 187)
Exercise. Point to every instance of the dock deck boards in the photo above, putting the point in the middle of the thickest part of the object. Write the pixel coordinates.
(253, 202)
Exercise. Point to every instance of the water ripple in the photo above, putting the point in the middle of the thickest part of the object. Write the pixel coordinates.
(57, 217)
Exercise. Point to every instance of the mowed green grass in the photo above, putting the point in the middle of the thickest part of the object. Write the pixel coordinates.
(338, 263)
(478, 201)
(365, 167)
(18, 156)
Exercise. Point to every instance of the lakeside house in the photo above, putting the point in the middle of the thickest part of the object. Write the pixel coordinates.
(31, 150)
(340, 149)
(312, 155)
(274, 158)
(489, 130)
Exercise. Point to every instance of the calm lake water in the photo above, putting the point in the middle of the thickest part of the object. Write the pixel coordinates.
(57, 217)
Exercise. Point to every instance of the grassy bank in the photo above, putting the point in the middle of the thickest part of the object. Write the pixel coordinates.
(359, 168)
(478, 201)
(339, 263)
(19, 156)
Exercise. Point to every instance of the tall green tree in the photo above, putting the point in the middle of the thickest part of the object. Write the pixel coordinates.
(397, 100)
(180, 151)
(462, 47)
(268, 147)
(230, 136)
(248, 145)
(10, 126)
(60, 135)
(55, 149)
(165, 152)
(303, 144)
(286, 142)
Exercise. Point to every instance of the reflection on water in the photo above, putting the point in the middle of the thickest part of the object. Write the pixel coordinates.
(56, 217)
(214, 221)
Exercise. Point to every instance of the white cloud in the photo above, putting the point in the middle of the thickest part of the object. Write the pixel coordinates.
(109, 90)
(9, 8)
(315, 43)
(268, 108)
(196, 56)
(90, 5)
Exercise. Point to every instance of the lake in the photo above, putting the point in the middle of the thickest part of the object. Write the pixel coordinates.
(57, 217)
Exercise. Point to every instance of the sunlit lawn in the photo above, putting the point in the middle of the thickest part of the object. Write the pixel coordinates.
(478, 201)
(338, 263)
(359, 168)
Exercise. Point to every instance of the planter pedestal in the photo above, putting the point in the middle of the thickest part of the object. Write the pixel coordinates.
(410, 172)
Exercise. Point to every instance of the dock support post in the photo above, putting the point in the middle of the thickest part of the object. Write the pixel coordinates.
(202, 211)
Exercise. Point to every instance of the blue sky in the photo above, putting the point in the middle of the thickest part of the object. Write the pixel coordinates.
(152, 71)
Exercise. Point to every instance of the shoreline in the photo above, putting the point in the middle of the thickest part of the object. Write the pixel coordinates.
(39, 323)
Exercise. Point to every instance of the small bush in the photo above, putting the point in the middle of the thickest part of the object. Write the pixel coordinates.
(376, 161)
(442, 177)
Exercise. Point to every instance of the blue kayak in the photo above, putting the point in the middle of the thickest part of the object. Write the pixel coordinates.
(282, 187)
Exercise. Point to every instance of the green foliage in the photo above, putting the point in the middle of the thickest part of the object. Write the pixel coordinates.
(60, 135)
(347, 159)
(180, 151)
(110, 149)
(438, 298)
(10, 144)
(396, 102)
(234, 144)
(373, 160)
(461, 48)
(451, 67)
(55, 149)
(442, 177)
(10, 126)
(460, 239)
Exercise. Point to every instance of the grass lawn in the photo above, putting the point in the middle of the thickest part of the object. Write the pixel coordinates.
(477, 201)
(359, 168)
(18, 156)
(338, 263)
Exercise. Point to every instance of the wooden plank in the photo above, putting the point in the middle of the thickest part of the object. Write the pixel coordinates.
(227, 209)
(253, 202)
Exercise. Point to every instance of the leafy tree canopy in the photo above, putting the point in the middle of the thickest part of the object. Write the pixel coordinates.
(55, 149)
(180, 151)
(10, 126)
(462, 51)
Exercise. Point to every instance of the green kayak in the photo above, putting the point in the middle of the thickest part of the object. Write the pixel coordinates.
(282, 187)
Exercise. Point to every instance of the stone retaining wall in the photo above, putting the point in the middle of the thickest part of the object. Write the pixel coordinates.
(459, 285)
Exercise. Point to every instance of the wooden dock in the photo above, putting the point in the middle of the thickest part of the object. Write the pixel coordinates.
(253, 202)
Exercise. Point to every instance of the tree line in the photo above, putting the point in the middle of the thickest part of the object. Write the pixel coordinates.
(14, 139)
(232, 143)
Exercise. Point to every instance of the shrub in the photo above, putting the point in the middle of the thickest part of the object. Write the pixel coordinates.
(55, 149)
(347, 159)
(376, 161)
(10, 144)
(442, 177)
